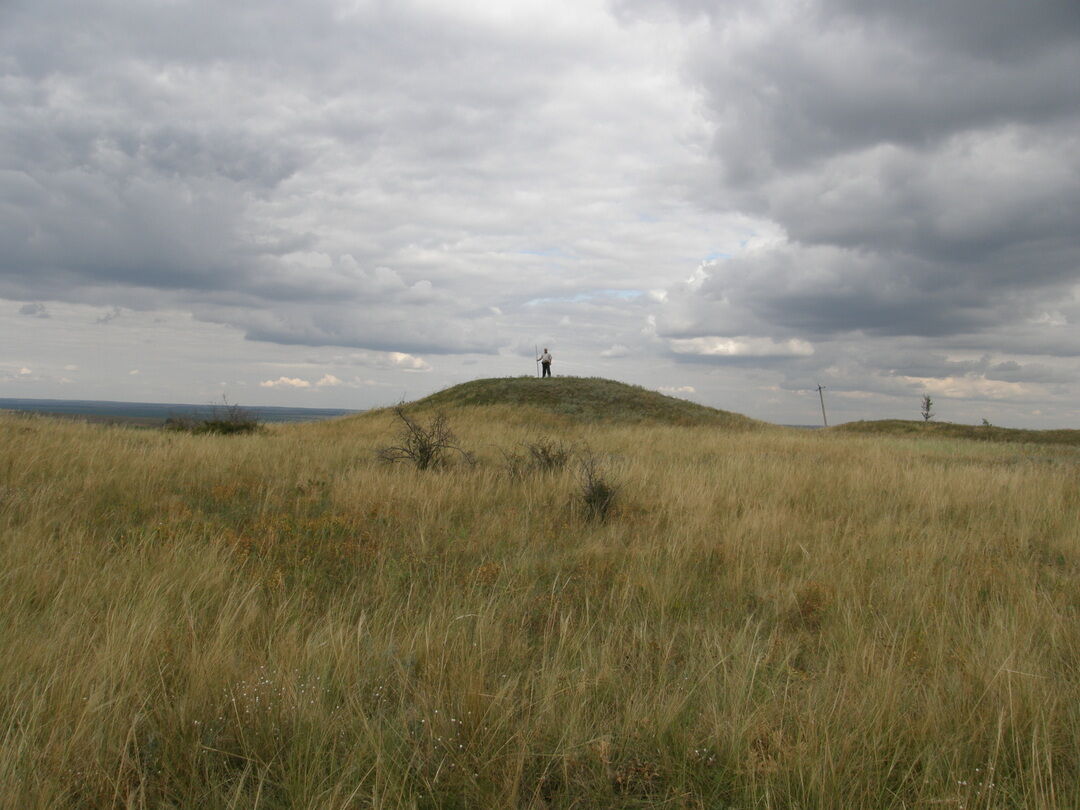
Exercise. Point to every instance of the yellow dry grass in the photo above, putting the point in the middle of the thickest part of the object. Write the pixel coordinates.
(768, 619)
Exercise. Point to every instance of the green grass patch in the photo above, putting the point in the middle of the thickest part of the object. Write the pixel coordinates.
(589, 399)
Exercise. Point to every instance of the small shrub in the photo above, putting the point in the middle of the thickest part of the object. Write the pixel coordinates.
(227, 426)
(225, 419)
(540, 456)
(927, 408)
(424, 446)
(549, 455)
(598, 492)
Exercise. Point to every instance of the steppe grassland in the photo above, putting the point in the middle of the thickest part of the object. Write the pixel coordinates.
(768, 619)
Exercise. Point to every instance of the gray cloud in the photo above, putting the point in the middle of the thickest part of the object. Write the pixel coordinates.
(110, 316)
(935, 365)
(1002, 29)
(923, 166)
(386, 329)
(34, 310)
(795, 84)
(248, 162)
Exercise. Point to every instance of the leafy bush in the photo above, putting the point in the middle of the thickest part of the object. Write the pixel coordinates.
(424, 446)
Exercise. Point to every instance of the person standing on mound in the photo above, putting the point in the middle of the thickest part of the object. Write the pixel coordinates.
(545, 363)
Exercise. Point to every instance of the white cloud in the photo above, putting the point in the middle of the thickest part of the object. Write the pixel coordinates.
(328, 381)
(407, 362)
(973, 387)
(397, 361)
(720, 347)
(285, 382)
(681, 389)
(617, 350)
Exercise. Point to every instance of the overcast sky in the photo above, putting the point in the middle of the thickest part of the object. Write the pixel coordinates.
(341, 203)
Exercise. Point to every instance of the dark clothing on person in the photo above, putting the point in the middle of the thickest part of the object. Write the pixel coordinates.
(547, 369)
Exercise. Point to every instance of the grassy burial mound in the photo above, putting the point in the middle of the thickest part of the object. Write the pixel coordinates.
(590, 399)
(761, 618)
(950, 430)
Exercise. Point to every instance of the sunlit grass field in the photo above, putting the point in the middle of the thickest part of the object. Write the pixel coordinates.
(766, 618)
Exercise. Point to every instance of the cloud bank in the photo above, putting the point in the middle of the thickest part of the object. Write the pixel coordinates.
(754, 197)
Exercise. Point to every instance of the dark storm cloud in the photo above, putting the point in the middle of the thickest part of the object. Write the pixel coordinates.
(790, 84)
(796, 100)
(1011, 371)
(933, 365)
(991, 28)
(923, 162)
(816, 292)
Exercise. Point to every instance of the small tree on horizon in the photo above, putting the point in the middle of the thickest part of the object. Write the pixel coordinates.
(927, 408)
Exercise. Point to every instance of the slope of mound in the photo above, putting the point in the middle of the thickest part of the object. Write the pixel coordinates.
(587, 399)
(949, 430)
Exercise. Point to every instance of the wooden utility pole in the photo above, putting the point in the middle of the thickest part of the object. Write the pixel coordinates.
(821, 396)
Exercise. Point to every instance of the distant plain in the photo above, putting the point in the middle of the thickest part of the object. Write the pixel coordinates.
(153, 414)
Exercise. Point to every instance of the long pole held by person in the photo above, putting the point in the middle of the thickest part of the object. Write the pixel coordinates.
(536, 354)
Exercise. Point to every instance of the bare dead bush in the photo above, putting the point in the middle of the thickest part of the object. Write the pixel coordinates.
(425, 446)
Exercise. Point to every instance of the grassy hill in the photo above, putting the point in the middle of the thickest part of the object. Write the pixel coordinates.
(949, 430)
(587, 399)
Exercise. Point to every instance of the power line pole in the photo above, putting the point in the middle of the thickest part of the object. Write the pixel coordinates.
(821, 396)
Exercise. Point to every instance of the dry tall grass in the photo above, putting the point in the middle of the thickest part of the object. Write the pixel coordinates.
(768, 619)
